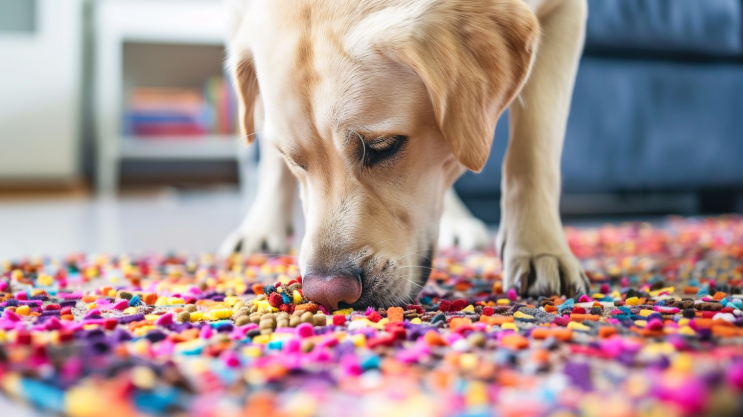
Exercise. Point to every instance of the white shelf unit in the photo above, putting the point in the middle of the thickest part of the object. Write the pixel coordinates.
(149, 22)
(40, 91)
(209, 147)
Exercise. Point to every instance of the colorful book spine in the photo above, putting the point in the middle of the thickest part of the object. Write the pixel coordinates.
(167, 112)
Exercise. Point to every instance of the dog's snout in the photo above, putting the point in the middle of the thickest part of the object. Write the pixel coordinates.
(332, 290)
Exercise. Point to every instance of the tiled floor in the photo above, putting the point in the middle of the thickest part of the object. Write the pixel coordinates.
(163, 220)
(193, 222)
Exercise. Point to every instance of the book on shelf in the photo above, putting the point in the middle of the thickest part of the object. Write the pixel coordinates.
(161, 113)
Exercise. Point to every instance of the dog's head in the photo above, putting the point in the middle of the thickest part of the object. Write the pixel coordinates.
(377, 107)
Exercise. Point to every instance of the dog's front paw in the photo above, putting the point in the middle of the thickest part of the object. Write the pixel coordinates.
(537, 260)
(259, 233)
(465, 231)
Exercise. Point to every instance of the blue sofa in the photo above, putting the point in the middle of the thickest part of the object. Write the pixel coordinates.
(657, 110)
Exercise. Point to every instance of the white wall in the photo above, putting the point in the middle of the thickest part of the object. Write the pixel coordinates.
(40, 76)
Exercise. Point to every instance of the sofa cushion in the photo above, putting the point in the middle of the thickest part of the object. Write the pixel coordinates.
(650, 125)
(708, 27)
(642, 126)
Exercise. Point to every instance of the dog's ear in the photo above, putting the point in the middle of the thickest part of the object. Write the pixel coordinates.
(247, 94)
(240, 63)
(473, 57)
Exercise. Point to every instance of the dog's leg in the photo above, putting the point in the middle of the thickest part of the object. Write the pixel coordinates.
(459, 227)
(267, 226)
(531, 240)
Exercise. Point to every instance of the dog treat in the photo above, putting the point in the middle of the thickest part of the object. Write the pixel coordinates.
(660, 334)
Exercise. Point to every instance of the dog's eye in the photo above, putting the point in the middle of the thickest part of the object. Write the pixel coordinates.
(378, 150)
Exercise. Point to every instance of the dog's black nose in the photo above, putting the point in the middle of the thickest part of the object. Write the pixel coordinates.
(329, 291)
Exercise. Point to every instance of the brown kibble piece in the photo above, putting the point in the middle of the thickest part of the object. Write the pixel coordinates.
(410, 315)
(477, 339)
(307, 317)
(307, 346)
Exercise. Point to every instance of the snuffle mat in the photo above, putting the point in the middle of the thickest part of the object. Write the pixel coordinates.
(659, 334)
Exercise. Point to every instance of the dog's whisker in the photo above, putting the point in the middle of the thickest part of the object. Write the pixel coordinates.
(422, 267)
(386, 240)
(415, 283)
(413, 253)
(273, 255)
(410, 280)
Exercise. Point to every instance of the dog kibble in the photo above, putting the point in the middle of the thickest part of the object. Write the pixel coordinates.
(307, 317)
(242, 321)
(320, 319)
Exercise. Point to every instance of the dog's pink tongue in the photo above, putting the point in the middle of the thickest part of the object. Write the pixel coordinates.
(329, 291)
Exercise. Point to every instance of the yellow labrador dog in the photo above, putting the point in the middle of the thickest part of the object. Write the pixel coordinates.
(376, 107)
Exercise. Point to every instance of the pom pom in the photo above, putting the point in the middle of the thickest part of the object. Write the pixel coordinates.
(150, 299)
(165, 320)
(458, 305)
(339, 320)
(445, 305)
(305, 330)
(374, 317)
(275, 299)
(395, 314)
(414, 307)
(488, 311)
(135, 301)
